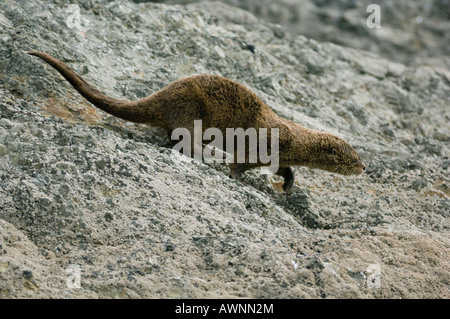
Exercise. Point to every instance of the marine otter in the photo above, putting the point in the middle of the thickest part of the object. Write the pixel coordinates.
(223, 103)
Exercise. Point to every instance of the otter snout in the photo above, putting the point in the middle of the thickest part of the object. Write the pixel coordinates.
(360, 169)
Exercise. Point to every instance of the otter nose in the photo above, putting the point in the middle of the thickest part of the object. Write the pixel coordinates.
(364, 167)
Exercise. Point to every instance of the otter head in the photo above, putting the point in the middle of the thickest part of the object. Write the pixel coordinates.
(337, 156)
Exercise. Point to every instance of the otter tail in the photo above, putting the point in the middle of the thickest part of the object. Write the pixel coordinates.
(127, 110)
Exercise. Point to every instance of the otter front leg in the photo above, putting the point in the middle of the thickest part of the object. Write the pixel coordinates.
(288, 174)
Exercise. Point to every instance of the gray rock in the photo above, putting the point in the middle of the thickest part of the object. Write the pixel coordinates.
(418, 184)
(411, 31)
(79, 187)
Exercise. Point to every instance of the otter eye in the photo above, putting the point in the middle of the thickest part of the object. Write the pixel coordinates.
(354, 161)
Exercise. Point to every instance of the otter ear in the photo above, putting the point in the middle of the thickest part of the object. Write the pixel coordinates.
(334, 152)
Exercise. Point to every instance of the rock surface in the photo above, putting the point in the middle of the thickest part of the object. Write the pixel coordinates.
(411, 32)
(79, 187)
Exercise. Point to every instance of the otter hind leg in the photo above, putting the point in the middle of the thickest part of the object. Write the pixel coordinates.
(236, 170)
(288, 174)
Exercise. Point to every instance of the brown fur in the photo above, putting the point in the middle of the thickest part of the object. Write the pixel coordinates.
(223, 103)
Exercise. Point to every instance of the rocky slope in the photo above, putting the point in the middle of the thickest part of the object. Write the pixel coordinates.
(412, 32)
(79, 187)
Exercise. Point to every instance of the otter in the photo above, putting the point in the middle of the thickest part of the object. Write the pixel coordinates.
(223, 103)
